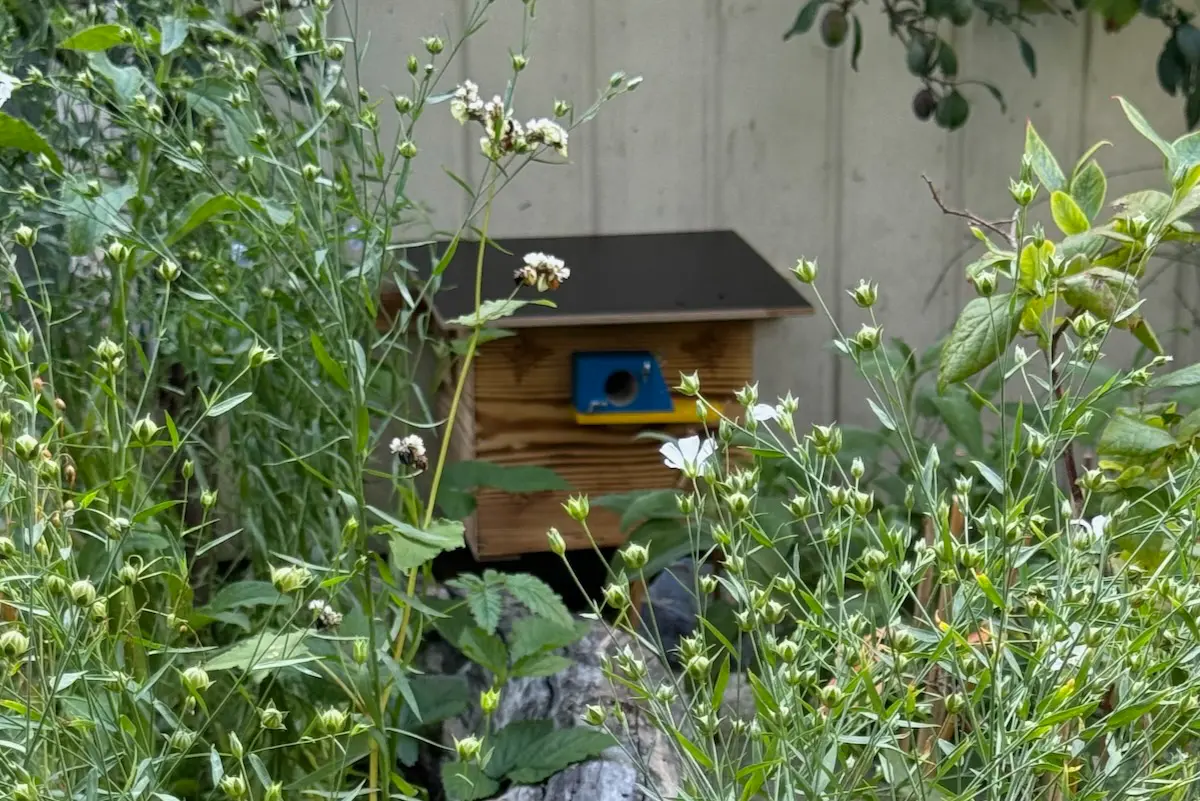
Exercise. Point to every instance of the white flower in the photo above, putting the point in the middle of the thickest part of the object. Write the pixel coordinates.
(548, 133)
(690, 455)
(1094, 529)
(7, 84)
(410, 451)
(325, 615)
(466, 105)
(762, 412)
(543, 271)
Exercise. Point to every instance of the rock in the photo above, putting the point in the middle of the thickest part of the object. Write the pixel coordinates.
(563, 698)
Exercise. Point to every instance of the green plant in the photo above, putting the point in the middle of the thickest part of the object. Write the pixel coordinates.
(211, 538)
(1030, 633)
(924, 30)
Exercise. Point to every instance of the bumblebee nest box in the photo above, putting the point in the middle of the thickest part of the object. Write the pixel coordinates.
(570, 387)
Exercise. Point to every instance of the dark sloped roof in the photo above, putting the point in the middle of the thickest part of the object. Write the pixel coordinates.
(628, 278)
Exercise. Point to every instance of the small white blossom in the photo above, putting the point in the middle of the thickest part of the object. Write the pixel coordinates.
(542, 271)
(466, 105)
(1093, 529)
(549, 133)
(763, 412)
(325, 615)
(410, 451)
(690, 454)
(7, 84)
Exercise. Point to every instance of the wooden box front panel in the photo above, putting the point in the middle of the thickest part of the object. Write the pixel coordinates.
(524, 416)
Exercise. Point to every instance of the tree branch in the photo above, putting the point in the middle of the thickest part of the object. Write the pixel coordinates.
(966, 215)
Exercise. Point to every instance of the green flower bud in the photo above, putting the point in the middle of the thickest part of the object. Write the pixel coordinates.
(985, 283)
(208, 499)
(867, 338)
(83, 593)
(1022, 192)
(271, 718)
(13, 644)
(709, 584)
(289, 579)
(956, 703)
(519, 62)
(258, 355)
(26, 447)
(407, 149)
(336, 51)
(739, 503)
(467, 748)
(489, 700)
(129, 574)
(181, 740)
(805, 271)
(577, 507)
(236, 749)
(595, 715)
(413, 65)
(864, 294)
(827, 439)
(561, 108)
(433, 44)
(361, 650)
(616, 596)
(25, 236)
(274, 792)
(234, 787)
(188, 470)
(311, 172)
(145, 430)
(689, 384)
(332, 720)
(404, 104)
(195, 679)
(558, 545)
(635, 556)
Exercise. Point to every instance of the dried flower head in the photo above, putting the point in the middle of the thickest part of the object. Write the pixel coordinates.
(324, 615)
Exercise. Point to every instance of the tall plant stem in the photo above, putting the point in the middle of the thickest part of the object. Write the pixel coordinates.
(1069, 463)
(443, 454)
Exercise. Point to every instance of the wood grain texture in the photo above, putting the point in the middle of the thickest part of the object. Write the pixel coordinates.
(462, 435)
(523, 415)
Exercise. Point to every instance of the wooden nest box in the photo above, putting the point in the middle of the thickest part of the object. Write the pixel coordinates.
(569, 387)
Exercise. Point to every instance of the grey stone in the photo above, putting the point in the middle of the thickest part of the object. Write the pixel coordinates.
(563, 698)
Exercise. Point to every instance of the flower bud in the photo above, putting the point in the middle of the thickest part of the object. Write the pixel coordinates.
(800, 506)
(26, 447)
(271, 718)
(145, 430)
(489, 700)
(404, 104)
(181, 740)
(335, 51)
(234, 787)
(698, 666)
(467, 748)
(827, 439)
(1022, 192)
(689, 384)
(25, 236)
(259, 355)
(289, 578)
(831, 696)
(616, 596)
(739, 503)
(23, 339)
(805, 270)
(6, 423)
(129, 574)
(311, 172)
(955, 703)
(361, 650)
(208, 499)
(519, 62)
(412, 65)
(332, 720)
(985, 283)
(857, 468)
(558, 545)
(195, 679)
(748, 395)
(874, 559)
(1139, 226)
(685, 502)
(236, 749)
(1037, 444)
(25, 791)
(433, 44)
(864, 294)
(1093, 480)
(635, 556)
(83, 593)
(13, 644)
(188, 470)
(595, 715)
(407, 149)
(867, 338)
(709, 583)
(577, 507)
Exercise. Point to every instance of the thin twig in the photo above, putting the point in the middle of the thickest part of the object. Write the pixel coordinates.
(966, 215)
(1068, 452)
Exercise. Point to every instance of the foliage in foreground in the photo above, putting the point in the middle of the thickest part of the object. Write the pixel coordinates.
(1032, 632)
(210, 541)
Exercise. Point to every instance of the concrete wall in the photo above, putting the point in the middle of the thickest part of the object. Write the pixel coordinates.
(781, 141)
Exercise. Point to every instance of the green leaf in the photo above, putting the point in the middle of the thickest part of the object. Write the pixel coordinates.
(1045, 166)
(1147, 130)
(486, 602)
(1069, 218)
(472, 475)
(126, 81)
(463, 781)
(1088, 189)
(332, 368)
(1145, 335)
(90, 220)
(485, 650)
(1028, 56)
(18, 134)
(1184, 377)
(442, 697)
(228, 405)
(1150, 202)
(247, 595)
(411, 547)
(540, 666)
(94, 39)
(492, 310)
(174, 33)
(1187, 151)
(532, 636)
(1104, 292)
(266, 651)
(805, 19)
(1125, 436)
(990, 476)
(989, 589)
(511, 744)
(558, 750)
(984, 329)
(200, 210)
(962, 421)
(536, 596)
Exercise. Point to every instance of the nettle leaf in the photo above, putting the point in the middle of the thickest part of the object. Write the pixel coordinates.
(247, 594)
(95, 39)
(1069, 218)
(1185, 377)
(485, 650)
(18, 134)
(492, 310)
(466, 781)
(484, 598)
(412, 547)
(540, 666)
(471, 475)
(511, 744)
(1045, 166)
(536, 596)
(984, 329)
(1088, 189)
(538, 635)
(559, 750)
(1125, 436)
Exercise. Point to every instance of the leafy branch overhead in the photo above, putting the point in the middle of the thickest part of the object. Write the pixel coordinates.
(923, 29)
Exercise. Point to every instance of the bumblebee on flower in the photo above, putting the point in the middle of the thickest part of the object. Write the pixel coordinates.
(542, 271)
(410, 452)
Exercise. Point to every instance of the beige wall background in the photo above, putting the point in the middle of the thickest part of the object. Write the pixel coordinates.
(784, 143)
